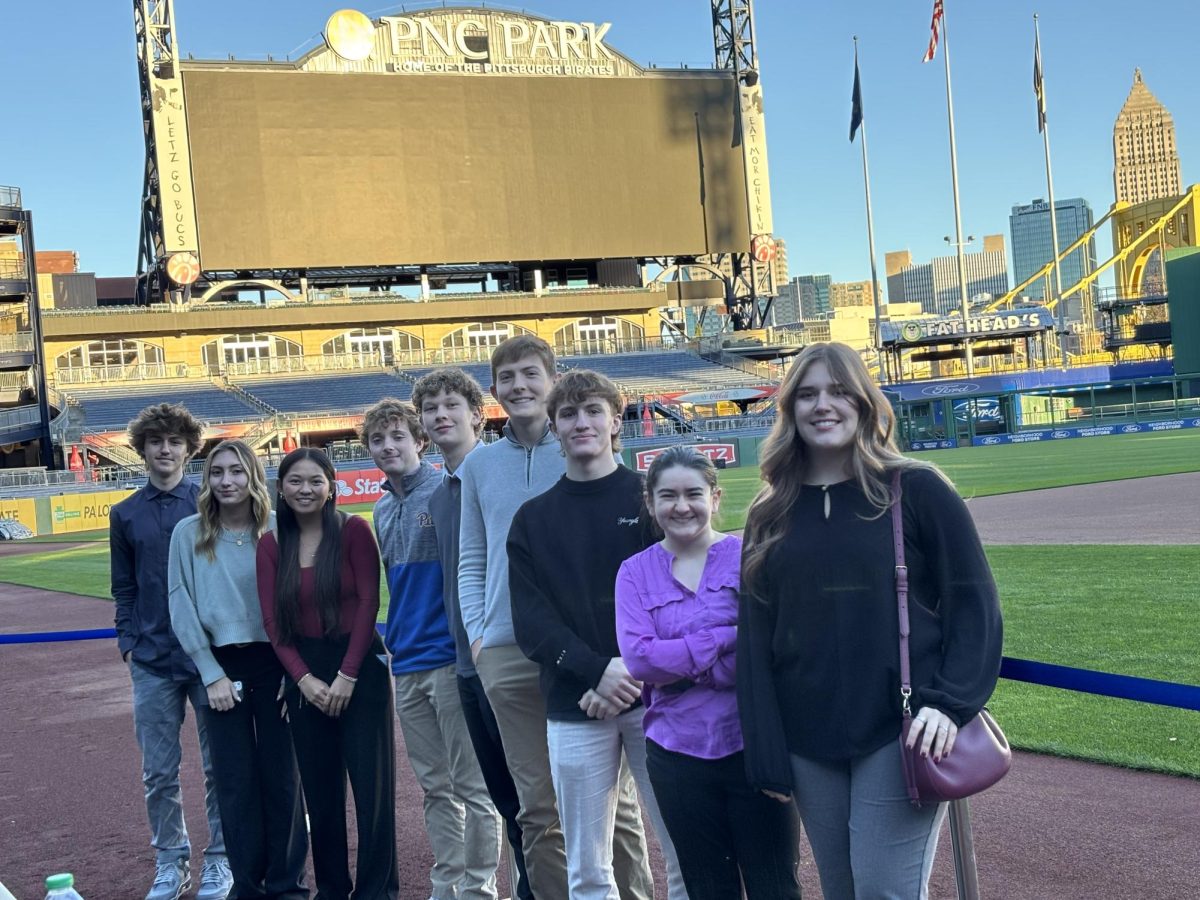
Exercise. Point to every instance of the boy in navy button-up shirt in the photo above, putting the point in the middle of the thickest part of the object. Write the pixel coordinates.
(164, 679)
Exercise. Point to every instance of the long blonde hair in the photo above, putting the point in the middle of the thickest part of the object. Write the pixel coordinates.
(874, 454)
(210, 509)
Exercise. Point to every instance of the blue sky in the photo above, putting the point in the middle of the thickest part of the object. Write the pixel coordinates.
(74, 145)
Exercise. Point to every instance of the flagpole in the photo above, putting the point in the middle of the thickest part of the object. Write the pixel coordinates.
(960, 245)
(876, 293)
(1062, 322)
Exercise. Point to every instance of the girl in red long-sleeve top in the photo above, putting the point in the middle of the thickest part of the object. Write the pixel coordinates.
(318, 583)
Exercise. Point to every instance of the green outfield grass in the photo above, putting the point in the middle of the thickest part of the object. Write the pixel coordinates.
(1009, 468)
(1130, 610)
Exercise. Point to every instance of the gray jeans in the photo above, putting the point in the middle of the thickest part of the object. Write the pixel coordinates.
(868, 841)
(159, 705)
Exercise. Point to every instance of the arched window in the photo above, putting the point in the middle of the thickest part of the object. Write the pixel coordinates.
(481, 335)
(251, 354)
(382, 345)
(110, 359)
(598, 334)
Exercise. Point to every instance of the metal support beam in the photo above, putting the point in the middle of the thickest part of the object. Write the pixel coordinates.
(168, 221)
(749, 290)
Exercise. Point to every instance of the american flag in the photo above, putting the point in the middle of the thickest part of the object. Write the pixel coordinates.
(934, 25)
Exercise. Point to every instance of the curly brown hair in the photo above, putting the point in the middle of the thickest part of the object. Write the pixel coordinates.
(387, 411)
(163, 419)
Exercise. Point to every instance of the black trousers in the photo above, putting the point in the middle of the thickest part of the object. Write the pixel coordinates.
(726, 834)
(485, 738)
(361, 744)
(262, 814)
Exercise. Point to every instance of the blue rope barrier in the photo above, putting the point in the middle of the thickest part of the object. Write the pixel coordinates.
(1125, 687)
(1084, 681)
(46, 637)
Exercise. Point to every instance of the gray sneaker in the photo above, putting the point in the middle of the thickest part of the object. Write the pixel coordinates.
(170, 880)
(216, 880)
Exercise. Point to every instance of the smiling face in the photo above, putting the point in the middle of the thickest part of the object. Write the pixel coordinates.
(449, 420)
(305, 488)
(683, 504)
(586, 429)
(521, 387)
(826, 414)
(394, 449)
(228, 480)
(165, 455)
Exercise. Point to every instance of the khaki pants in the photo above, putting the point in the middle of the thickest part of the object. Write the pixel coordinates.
(511, 683)
(462, 824)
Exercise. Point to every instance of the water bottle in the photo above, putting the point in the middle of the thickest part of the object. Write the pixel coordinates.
(61, 887)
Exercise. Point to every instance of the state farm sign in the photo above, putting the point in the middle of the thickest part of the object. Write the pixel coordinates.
(359, 486)
(718, 453)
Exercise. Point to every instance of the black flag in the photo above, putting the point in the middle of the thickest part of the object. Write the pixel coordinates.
(856, 109)
(1039, 89)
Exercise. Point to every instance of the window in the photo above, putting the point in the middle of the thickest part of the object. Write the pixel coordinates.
(116, 353)
(482, 334)
(598, 334)
(249, 352)
(379, 344)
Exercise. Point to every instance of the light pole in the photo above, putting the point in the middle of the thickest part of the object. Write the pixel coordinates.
(960, 248)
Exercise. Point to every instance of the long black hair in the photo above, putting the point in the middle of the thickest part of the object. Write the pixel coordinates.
(328, 561)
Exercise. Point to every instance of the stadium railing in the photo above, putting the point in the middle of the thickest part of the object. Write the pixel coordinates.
(16, 343)
(10, 196)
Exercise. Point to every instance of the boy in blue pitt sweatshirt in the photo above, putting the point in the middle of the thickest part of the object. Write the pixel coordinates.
(462, 824)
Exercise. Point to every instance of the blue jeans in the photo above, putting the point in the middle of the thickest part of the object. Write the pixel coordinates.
(868, 841)
(159, 705)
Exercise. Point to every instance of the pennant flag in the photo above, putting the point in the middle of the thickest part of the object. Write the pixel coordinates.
(934, 27)
(1039, 89)
(856, 107)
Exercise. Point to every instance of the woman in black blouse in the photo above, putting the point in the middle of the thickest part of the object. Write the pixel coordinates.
(818, 637)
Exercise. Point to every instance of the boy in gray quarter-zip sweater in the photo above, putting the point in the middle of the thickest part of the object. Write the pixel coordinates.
(496, 479)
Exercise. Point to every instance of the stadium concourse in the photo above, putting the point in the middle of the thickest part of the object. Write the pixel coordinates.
(1054, 828)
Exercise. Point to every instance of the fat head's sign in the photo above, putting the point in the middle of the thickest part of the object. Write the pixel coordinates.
(467, 41)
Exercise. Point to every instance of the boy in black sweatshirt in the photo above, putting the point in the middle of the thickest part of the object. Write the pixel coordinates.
(564, 549)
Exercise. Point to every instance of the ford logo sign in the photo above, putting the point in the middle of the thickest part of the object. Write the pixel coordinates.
(1196, 423)
(1131, 429)
(1061, 434)
(949, 390)
(990, 440)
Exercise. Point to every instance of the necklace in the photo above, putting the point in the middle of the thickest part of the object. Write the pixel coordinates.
(239, 537)
(825, 491)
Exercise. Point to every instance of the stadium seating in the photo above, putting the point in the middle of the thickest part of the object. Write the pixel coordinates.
(481, 372)
(339, 392)
(652, 372)
(112, 408)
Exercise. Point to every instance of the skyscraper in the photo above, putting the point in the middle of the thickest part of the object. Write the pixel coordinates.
(1145, 159)
(1032, 248)
(935, 284)
(813, 292)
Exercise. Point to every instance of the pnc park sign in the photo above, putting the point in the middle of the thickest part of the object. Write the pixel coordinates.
(468, 41)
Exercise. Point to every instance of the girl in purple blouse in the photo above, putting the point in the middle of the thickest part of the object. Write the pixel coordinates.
(677, 609)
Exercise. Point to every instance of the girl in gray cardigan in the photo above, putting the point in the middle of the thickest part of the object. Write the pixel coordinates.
(216, 616)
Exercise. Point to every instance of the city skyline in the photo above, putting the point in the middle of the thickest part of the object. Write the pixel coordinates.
(81, 170)
(1032, 247)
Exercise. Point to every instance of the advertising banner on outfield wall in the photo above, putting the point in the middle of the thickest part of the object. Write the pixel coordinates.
(724, 455)
(1059, 434)
(23, 511)
(83, 512)
(359, 486)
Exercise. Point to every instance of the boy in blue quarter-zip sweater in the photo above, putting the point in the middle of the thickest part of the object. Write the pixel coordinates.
(462, 824)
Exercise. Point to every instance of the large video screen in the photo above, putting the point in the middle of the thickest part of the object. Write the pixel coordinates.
(299, 169)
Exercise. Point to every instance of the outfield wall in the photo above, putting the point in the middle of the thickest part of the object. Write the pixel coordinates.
(63, 513)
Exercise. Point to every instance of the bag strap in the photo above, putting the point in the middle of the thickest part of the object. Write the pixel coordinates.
(901, 591)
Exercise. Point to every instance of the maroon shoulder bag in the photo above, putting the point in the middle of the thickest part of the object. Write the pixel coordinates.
(981, 755)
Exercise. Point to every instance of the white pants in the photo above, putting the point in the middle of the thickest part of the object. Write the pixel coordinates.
(585, 758)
